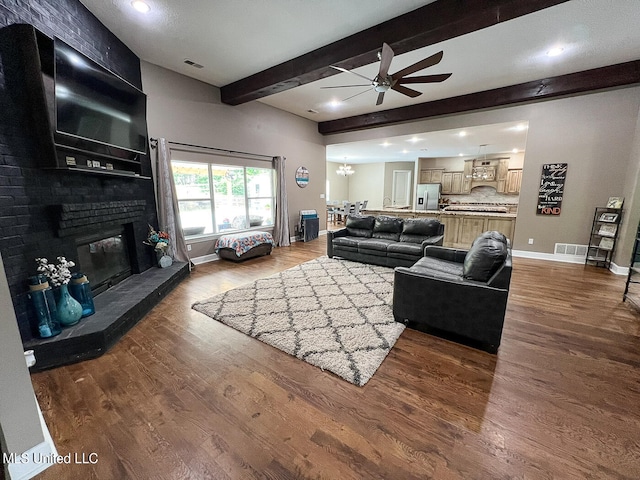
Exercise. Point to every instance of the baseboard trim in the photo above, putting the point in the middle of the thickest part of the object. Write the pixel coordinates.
(205, 258)
(33, 464)
(564, 259)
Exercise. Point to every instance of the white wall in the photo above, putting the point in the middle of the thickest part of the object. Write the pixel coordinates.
(595, 134)
(185, 110)
(367, 184)
(339, 185)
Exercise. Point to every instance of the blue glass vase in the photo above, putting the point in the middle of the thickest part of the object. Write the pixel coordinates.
(80, 289)
(44, 304)
(68, 308)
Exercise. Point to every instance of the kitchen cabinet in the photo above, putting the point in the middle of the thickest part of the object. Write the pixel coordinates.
(460, 229)
(501, 176)
(431, 175)
(514, 180)
(452, 182)
(447, 180)
(452, 225)
(466, 176)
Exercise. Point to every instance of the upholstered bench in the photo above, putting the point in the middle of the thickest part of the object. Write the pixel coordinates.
(244, 245)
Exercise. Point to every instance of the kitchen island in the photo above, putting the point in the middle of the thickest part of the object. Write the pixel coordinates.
(460, 227)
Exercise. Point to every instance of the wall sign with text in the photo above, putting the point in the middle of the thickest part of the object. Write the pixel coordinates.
(551, 188)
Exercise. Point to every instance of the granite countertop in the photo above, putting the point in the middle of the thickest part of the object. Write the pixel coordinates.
(444, 212)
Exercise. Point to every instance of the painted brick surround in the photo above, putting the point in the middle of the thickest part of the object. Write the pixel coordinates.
(31, 198)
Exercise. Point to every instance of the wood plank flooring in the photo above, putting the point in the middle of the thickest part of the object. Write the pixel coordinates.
(184, 397)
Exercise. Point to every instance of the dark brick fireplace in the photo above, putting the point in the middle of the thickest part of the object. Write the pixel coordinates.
(43, 212)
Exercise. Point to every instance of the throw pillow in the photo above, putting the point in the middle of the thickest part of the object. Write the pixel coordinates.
(483, 259)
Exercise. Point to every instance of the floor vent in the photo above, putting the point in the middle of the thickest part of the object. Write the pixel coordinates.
(570, 249)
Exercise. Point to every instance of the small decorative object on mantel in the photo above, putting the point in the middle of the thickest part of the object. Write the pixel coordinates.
(69, 310)
(160, 242)
(302, 177)
(551, 188)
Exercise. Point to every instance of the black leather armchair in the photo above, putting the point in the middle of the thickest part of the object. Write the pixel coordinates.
(458, 294)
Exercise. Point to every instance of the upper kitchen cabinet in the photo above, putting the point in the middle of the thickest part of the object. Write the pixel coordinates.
(452, 182)
(514, 180)
(431, 175)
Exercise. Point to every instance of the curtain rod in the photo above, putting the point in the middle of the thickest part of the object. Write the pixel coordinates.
(154, 144)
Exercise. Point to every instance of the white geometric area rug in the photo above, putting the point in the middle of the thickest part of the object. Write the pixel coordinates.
(334, 314)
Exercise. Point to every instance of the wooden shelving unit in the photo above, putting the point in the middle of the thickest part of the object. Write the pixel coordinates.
(603, 236)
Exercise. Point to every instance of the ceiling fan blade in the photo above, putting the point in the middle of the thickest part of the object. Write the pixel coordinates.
(425, 79)
(349, 98)
(385, 60)
(422, 64)
(349, 71)
(380, 98)
(406, 91)
(345, 86)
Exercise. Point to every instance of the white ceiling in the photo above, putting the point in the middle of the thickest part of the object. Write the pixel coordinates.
(236, 38)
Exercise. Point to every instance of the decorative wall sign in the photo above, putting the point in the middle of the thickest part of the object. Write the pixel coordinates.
(551, 188)
(302, 177)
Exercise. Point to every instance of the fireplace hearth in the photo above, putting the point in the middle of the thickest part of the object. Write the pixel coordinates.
(118, 309)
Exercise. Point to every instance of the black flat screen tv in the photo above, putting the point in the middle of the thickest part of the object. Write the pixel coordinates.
(94, 104)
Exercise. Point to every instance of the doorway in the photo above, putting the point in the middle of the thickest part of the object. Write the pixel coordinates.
(401, 190)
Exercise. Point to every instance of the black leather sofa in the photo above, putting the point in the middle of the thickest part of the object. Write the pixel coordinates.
(457, 294)
(383, 240)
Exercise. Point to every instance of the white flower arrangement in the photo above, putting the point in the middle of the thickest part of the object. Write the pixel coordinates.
(57, 274)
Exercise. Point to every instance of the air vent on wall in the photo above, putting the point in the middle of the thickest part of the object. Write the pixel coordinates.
(570, 249)
(192, 63)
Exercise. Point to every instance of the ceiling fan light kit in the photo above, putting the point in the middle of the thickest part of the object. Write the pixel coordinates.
(383, 82)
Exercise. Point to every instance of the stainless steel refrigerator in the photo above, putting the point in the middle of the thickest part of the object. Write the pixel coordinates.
(427, 196)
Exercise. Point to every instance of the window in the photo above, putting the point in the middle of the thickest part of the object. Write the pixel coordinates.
(223, 198)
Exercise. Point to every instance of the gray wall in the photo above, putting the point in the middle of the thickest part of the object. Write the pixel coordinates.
(185, 110)
(596, 134)
(20, 427)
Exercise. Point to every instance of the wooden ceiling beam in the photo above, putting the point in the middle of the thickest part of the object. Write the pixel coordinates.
(428, 25)
(612, 76)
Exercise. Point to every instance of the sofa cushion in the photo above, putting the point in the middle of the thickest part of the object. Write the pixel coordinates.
(483, 259)
(432, 265)
(375, 245)
(416, 230)
(387, 227)
(360, 225)
(346, 241)
(402, 250)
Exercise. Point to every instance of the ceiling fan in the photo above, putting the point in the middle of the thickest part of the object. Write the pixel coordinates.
(383, 81)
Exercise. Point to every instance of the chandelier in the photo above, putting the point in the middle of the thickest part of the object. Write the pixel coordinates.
(483, 172)
(345, 170)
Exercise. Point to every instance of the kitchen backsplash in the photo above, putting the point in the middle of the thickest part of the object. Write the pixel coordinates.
(484, 195)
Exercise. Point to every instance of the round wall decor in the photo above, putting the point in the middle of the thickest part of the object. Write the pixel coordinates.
(302, 176)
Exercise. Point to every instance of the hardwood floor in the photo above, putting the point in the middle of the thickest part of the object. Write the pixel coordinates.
(184, 397)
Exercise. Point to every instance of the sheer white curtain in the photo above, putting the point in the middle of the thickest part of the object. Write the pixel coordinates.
(281, 226)
(168, 213)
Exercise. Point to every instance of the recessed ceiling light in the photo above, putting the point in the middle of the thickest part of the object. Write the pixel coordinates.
(520, 127)
(515, 150)
(385, 144)
(405, 151)
(140, 6)
(555, 51)
(334, 103)
(413, 140)
(461, 154)
(462, 133)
